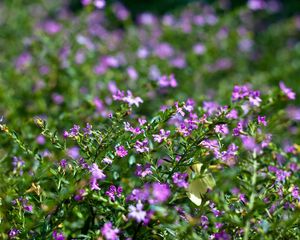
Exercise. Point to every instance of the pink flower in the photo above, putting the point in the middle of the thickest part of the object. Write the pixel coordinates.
(137, 212)
(143, 171)
(287, 91)
(97, 174)
(141, 146)
(165, 81)
(121, 151)
(262, 120)
(161, 136)
(109, 232)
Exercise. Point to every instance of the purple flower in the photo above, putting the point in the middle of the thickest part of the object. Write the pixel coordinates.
(113, 191)
(141, 146)
(143, 171)
(132, 100)
(75, 130)
(287, 91)
(256, 4)
(137, 212)
(180, 179)
(210, 107)
(73, 152)
(132, 73)
(40, 140)
(204, 222)
(165, 81)
(160, 192)
(51, 27)
(295, 193)
(250, 144)
(161, 136)
(129, 98)
(18, 164)
(99, 4)
(88, 129)
(211, 145)
(97, 174)
(13, 233)
(129, 128)
(79, 196)
(23, 61)
(94, 184)
(57, 98)
(140, 194)
(164, 50)
(219, 225)
(83, 163)
(109, 232)
(293, 113)
(293, 167)
(239, 92)
(233, 114)
(262, 120)
(199, 49)
(121, 151)
(230, 156)
(222, 235)
(63, 163)
(266, 141)
(282, 175)
(58, 236)
(222, 128)
(254, 98)
(107, 160)
(28, 208)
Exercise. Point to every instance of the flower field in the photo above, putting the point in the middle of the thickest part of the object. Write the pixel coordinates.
(118, 124)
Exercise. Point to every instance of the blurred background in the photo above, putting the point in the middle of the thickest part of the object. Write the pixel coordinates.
(58, 57)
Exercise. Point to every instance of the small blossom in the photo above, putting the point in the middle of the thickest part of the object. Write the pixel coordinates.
(180, 179)
(287, 91)
(27, 208)
(107, 160)
(41, 140)
(96, 172)
(161, 136)
(295, 193)
(58, 236)
(13, 233)
(121, 151)
(221, 128)
(143, 171)
(254, 98)
(141, 146)
(282, 175)
(204, 222)
(250, 143)
(74, 131)
(73, 152)
(137, 212)
(165, 81)
(80, 195)
(113, 191)
(109, 232)
(240, 92)
(99, 4)
(88, 129)
(160, 192)
(262, 120)
(63, 163)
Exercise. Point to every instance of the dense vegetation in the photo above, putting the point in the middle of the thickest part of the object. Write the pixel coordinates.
(179, 126)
